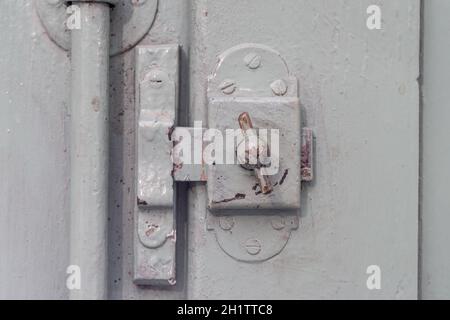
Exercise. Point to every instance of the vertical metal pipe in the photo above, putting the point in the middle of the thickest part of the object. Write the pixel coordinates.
(89, 149)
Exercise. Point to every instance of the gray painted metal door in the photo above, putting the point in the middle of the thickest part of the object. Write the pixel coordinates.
(359, 92)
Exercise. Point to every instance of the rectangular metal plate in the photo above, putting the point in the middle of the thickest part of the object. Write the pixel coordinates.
(156, 104)
(230, 187)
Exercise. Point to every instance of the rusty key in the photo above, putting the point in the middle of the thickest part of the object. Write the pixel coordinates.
(255, 151)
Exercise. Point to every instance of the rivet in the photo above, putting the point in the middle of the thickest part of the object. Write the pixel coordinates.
(253, 246)
(226, 223)
(279, 87)
(228, 86)
(252, 60)
(278, 223)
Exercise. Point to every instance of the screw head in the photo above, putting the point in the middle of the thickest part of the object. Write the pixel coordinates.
(155, 78)
(226, 223)
(228, 86)
(278, 223)
(279, 87)
(252, 60)
(253, 246)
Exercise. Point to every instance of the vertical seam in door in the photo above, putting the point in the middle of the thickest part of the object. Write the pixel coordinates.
(420, 213)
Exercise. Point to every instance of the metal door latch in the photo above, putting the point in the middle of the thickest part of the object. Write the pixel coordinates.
(253, 206)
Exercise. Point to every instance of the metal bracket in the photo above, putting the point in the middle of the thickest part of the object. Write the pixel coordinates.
(131, 21)
(156, 101)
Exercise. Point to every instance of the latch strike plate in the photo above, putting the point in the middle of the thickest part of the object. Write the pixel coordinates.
(156, 104)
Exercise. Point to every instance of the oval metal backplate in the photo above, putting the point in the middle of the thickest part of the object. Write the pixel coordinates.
(131, 21)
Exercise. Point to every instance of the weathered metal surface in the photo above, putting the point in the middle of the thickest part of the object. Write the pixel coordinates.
(131, 21)
(230, 187)
(307, 160)
(156, 101)
(359, 93)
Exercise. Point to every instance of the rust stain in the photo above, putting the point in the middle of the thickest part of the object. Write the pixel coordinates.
(141, 202)
(151, 230)
(170, 132)
(306, 166)
(176, 167)
(238, 196)
(172, 236)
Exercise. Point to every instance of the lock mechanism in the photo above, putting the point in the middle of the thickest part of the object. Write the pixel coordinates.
(254, 201)
(255, 79)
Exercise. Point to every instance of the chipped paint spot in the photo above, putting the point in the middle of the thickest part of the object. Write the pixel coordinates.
(283, 178)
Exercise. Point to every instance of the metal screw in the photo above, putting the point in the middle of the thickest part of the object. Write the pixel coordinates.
(252, 60)
(278, 223)
(279, 87)
(228, 86)
(253, 246)
(226, 223)
(155, 77)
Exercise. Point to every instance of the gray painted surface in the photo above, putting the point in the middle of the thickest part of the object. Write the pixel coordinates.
(34, 158)
(358, 91)
(435, 253)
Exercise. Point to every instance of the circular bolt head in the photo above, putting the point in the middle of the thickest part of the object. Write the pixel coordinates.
(278, 223)
(226, 223)
(252, 60)
(253, 246)
(228, 86)
(279, 87)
